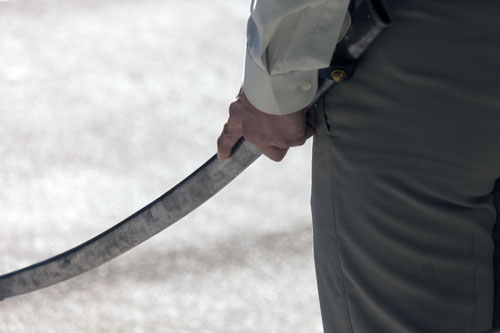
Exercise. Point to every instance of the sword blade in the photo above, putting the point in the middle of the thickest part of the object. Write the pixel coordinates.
(182, 199)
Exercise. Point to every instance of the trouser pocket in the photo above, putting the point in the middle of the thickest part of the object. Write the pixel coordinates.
(322, 122)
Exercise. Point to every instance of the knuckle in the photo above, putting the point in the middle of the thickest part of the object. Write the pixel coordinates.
(220, 141)
(285, 143)
(277, 158)
(235, 110)
(225, 129)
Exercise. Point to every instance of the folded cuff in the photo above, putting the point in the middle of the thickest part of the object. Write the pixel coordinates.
(278, 94)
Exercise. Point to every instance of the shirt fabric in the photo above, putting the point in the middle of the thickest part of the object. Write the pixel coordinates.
(287, 42)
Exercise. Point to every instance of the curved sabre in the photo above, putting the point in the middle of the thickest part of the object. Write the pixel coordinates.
(183, 198)
(369, 20)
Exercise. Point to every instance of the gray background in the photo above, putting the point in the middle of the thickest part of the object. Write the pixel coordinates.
(105, 105)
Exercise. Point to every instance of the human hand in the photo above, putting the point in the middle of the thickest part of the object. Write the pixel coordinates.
(271, 134)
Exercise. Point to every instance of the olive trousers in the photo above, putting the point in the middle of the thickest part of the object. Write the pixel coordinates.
(406, 169)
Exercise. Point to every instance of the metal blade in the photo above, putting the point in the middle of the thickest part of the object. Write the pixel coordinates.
(183, 198)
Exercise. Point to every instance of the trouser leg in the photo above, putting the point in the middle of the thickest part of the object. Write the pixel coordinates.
(402, 243)
(405, 163)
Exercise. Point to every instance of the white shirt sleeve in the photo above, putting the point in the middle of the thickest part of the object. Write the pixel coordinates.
(287, 42)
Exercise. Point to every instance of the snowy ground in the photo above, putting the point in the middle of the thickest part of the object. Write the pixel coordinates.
(105, 105)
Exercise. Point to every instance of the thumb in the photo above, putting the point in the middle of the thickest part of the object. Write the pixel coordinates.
(231, 133)
(226, 142)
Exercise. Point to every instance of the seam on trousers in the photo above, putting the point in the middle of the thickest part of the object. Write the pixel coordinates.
(334, 218)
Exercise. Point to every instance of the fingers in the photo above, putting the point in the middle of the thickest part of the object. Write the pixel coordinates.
(272, 134)
(309, 130)
(311, 122)
(274, 153)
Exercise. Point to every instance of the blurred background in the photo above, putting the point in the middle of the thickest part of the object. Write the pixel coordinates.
(104, 106)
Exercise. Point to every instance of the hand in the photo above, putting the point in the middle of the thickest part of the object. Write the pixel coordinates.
(271, 134)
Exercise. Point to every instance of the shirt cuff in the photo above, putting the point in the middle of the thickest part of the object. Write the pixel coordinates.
(278, 94)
